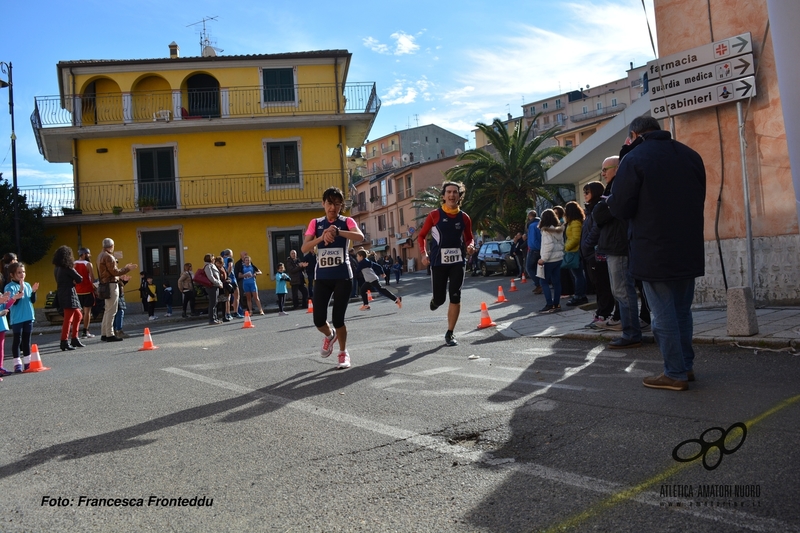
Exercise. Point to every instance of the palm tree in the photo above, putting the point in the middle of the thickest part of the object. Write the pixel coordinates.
(426, 200)
(504, 180)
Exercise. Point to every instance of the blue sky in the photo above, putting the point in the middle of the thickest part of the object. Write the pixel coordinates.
(446, 63)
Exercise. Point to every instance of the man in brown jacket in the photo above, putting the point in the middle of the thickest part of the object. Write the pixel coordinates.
(108, 272)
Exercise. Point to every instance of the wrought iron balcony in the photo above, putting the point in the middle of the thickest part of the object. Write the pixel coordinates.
(184, 193)
(166, 106)
(358, 208)
(598, 113)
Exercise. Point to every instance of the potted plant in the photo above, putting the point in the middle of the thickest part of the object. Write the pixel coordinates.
(116, 210)
(147, 203)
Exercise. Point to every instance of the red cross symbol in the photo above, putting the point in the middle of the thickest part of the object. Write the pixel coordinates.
(721, 50)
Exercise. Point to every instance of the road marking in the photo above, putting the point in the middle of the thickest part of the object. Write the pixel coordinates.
(638, 494)
(433, 443)
(434, 371)
(618, 492)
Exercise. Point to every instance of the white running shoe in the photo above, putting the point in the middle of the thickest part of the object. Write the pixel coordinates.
(344, 360)
(327, 345)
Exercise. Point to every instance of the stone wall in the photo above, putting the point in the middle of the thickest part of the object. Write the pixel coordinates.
(777, 270)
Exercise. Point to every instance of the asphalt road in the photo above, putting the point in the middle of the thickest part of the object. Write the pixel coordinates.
(531, 434)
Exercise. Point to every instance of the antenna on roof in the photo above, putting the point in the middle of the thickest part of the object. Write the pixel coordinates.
(206, 48)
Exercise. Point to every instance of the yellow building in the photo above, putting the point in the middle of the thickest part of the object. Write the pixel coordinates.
(177, 157)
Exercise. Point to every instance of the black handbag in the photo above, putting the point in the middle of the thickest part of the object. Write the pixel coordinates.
(104, 291)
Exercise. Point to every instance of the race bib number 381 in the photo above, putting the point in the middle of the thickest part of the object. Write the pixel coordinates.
(330, 257)
(451, 255)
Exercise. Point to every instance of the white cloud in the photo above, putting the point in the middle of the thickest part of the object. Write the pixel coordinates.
(404, 44)
(399, 93)
(374, 45)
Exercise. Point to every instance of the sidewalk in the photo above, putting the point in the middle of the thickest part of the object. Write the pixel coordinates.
(778, 327)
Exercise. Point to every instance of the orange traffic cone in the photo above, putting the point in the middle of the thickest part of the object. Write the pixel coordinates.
(247, 322)
(486, 322)
(369, 296)
(513, 286)
(310, 306)
(524, 279)
(501, 298)
(148, 341)
(36, 361)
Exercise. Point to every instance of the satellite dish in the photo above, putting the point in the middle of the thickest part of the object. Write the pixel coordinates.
(209, 51)
(459, 151)
(395, 163)
(405, 158)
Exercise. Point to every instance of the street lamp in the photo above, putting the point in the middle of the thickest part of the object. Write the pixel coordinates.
(6, 68)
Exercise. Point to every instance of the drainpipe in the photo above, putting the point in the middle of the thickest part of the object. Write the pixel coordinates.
(75, 181)
(342, 149)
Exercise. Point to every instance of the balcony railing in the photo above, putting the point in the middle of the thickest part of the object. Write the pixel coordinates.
(189, 192)
(358, 207)
(390, 148)
(598, 113)
(153, 106)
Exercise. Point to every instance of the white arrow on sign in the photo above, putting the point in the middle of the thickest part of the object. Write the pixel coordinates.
(702, 55)
(727, 70)
(707, 97)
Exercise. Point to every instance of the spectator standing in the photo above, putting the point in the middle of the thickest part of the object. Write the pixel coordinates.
(551, 254)
(248, 276)
(534, 249)
(397, 269)
(666, 257)
(596, 270)
(22, 315)
(280, 287)
(85, 289)
(613, 244)
(387, 268)
(143, 291)
(227, 257)
(108, 273)
(574, 217)
(311, 264)
(66, 279)
(212, 291)
(295, 269)
(224, 296)
(152, 297)
(122, 306)
(519, 249)
(186, 286)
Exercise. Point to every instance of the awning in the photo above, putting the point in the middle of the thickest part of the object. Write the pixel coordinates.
(402, 241)
(379, 248)
(583, 163)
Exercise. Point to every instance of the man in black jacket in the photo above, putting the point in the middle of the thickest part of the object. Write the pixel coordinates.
(613, 244)
(295, 269)
(660, 189)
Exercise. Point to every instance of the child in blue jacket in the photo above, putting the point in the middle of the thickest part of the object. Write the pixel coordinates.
(22, 315)
(280, 288)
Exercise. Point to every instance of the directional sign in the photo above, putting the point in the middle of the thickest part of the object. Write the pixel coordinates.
(701, 98)
(727, 70)
(702, 55)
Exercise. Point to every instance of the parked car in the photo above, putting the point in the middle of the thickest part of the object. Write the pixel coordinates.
(495, 256)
